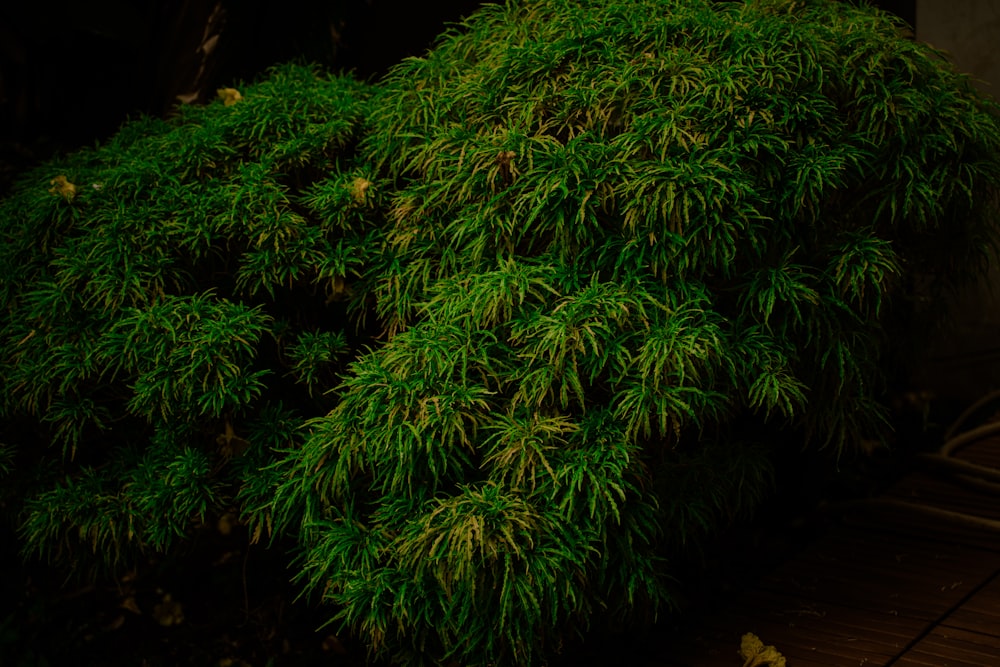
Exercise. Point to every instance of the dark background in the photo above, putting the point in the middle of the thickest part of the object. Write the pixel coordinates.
(71, 72)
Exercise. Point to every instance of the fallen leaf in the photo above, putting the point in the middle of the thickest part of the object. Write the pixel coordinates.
(118, 622)
(229, 443)
(227, 522)
(338, 290)
(332, 644)
(358, 189)
(229, 96)
(130, 604)
(755, 654)
(168, 612)
(62, 187)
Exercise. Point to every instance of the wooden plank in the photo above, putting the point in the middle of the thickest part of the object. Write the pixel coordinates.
(911, 522)
(713, 639)
(890, 575)
(703, 649)
(952, 647)
(980, 613)
(936, 491)
(984, 452)
(806, 631)
(830, 634)
(943, 491)
(882, 577)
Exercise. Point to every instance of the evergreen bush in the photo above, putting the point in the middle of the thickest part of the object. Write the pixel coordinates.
(174, 302)
(605, 250)
(625, 241)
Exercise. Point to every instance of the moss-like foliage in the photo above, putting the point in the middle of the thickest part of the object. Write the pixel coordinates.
(173, 302)
(621, 234)
(605, 249)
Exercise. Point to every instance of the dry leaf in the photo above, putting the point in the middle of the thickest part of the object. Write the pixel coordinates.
(118, 622)
(755, 654)
(332, 644)
(130, 604)
(227, 522)
(229, 96)
(62, 187)
(229, 443)
(338, 290)
(358, 189)
(168, 612)
(232, 662)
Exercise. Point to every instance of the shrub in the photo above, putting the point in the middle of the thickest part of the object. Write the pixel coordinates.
(173, 303)
(606, 251)
(623, 238)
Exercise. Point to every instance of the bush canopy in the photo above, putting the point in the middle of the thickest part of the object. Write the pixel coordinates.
(576, 268)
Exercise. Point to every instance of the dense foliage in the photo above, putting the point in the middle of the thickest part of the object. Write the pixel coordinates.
(606, 250)
(623, 235)
(173, 305)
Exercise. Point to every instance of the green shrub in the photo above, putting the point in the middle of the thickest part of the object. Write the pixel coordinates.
(172, 303)
(624, 238)
(606, 252)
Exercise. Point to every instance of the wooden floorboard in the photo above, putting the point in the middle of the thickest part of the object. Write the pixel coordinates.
(886, 586)
(980, 613)
(952, 647)
(910, 520)
(925, 488)
(893, 575)
(985, 452)
(807, 632)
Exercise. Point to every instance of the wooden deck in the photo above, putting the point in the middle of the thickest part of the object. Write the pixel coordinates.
(886, 585)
